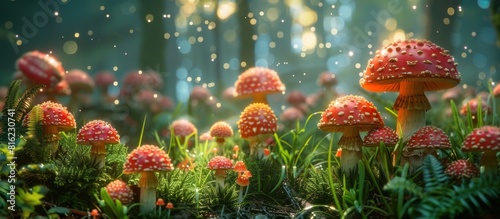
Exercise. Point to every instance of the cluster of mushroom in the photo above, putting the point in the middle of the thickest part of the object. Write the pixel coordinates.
(409, 67)
(221, 165)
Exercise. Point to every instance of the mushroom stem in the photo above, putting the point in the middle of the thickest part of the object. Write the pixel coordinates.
(351, 144)
(490, 163)
(98, 153)
(148, 184)
(240, 195)
(411, 105)
(220, 145)
(51, 138)
(220, 176)
(260, 98)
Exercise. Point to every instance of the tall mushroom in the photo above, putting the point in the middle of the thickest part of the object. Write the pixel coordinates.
(257, 123)
(220, 131)
(350, 115)
(97, 134)
(425, 141)
(257, 82)
(485, 139)
(146, 160)
(410, 67)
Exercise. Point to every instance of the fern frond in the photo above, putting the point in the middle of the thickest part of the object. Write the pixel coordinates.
(23, 105)
(433, 173)
(12, 95)
(398, 183)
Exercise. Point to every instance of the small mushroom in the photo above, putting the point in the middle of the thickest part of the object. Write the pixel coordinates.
(121, 191)
(462, 168)
(98, 134)
(220, 131)
(423, 142)
(256, 124)
(485, 139)
(220, 165)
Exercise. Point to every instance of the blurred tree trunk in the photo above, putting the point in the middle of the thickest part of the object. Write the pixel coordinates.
(436, 31)
(219, 81)
(153, 43)
(247, 44)
(495, 17)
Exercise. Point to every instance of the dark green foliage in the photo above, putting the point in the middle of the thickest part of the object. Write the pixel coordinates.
(176, 187)
(438, 198)
(316, 189)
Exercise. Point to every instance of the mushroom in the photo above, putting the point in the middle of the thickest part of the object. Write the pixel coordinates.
(290, 116)
(410, 67)
(103, 80)
(350, 115)
(297, 99)
(327, 81)
(484, 139)
(256, 124)
(80, 84)
(183, 128)
(40, 68)
(243, 180)
(239, 167)
(56, 118)
(146, 160)
(423, 142)
(472, 107)
(220, 165)
(257, 82)
(380, 135)
(220, 131)
(462, 168)
(121, 191)
(97, 134)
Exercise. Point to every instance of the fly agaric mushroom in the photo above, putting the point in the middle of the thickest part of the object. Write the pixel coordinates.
(182, 128)
(462, 169)
(257, 123)
(423, 142)
(350, 115)
(121, 191)
(472, 106)
(97, 134)
(103, 80)
(56, 118)
(257, 82)
(220, 131)
(146, 160)
(80, 84)
(240, 167)
(381, 134)
(243, 180)
(220, 165)
(40, 68)
(484, 139)
(410, 67)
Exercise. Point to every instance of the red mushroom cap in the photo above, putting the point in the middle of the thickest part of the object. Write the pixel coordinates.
(79, 80)
(55, 114)
(296, 98)
(169, 205)
(417, 60)
(426, 138)
(147, 158)
(257, 121)
(121, 191)
(205, 136)
(381, 134)
(240, 166)
(183, 128)
(220, 163)
(327, 79)
(486, 138)
(258, 80)
(244, 179)
(291, 114)
(221, 129)
(97, 131)
(461, 169)
(473, 106)
(41, 68)
(350, 111)
(104, 79)
(496, 90)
